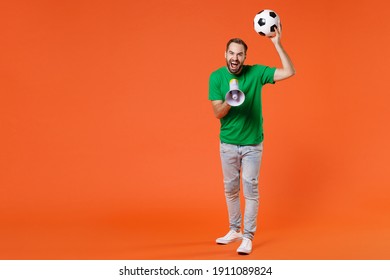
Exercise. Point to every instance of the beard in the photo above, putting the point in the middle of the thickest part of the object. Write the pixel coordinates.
(234, 66)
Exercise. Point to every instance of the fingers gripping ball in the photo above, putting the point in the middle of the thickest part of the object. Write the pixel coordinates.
(265, 23)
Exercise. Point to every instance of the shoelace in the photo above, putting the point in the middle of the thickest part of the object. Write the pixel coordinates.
(246, 242)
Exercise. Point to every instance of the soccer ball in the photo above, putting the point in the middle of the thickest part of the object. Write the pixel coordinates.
(265, 23)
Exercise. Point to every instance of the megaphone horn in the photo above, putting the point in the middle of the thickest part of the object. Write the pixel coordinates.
(234, 97)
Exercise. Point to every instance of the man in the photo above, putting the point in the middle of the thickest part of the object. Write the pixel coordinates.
(241, 133)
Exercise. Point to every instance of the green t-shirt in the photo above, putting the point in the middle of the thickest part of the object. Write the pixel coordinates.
(243, 125)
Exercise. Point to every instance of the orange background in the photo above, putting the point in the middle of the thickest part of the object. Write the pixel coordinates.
(109, 147)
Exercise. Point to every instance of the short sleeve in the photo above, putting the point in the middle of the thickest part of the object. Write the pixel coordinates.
(215, 87)
(267, 74)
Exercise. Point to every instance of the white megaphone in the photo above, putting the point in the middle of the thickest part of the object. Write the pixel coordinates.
(234, 97)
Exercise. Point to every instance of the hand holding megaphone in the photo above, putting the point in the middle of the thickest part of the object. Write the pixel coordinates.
(234, 97)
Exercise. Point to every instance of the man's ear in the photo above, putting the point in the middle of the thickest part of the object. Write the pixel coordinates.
(225, 54)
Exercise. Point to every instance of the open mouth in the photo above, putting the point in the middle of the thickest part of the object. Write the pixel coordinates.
(234, 65)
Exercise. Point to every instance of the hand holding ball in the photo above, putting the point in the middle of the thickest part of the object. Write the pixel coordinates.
(265, 23)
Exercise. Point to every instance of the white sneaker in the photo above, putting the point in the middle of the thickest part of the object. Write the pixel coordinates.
(230, 237)
(245, 247)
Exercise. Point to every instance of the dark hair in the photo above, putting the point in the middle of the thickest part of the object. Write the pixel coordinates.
(237, 41)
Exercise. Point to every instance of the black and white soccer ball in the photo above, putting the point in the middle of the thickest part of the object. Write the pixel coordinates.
(265, 22)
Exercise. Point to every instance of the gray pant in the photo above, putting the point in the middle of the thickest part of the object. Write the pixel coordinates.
(243, 160)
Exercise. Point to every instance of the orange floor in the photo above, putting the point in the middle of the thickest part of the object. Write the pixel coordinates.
(169, 238)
